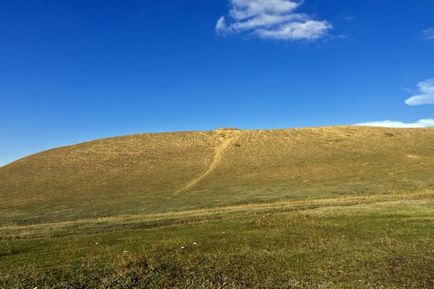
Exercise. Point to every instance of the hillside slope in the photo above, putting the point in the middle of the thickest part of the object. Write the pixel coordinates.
(153, 173)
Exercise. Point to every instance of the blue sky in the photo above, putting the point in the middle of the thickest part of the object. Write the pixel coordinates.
(76, 70)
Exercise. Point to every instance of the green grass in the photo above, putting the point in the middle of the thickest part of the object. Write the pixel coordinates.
(385, 244)
(345, 207)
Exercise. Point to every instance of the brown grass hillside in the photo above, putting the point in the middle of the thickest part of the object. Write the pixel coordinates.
(154, 173)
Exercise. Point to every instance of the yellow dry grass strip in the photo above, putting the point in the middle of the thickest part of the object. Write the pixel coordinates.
(218, 154)
(171, 218)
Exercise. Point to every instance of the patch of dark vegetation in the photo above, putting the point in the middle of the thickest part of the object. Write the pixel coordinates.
(131, 271)
(228, 128)
(141, 272)
(6, 249)
(334, 140)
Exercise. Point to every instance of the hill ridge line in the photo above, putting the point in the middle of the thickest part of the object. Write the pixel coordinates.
(218, 154)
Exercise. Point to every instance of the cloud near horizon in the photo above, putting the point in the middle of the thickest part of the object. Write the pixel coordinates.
(428, 34)
(425, 96)
(423, 123)
(271, 19)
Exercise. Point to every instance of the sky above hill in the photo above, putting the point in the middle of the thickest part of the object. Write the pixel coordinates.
(77, 70)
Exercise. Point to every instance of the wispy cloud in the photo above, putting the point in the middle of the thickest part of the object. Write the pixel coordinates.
(399, 124)
(428, 33)
(425, 96)
(271, 19)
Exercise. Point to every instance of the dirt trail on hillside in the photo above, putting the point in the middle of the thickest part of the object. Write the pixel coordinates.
(228, 138)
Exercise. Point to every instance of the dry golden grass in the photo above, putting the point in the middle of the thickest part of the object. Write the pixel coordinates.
(152, 173)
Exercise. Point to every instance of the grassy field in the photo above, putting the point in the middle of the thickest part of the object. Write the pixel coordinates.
(342, 207)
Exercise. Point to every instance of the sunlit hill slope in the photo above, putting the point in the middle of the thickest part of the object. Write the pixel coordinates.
(151, 173)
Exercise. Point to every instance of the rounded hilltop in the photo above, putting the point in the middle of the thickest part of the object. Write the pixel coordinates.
(151, 173)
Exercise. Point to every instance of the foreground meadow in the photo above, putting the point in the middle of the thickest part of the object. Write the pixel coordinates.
(364, 242)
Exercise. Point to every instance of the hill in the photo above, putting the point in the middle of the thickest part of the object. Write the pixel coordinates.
(152, 173)
(332, 207)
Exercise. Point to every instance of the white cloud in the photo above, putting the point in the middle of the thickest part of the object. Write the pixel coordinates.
(399, 124)
(428, 33)
(271, 19)
(426, 94)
